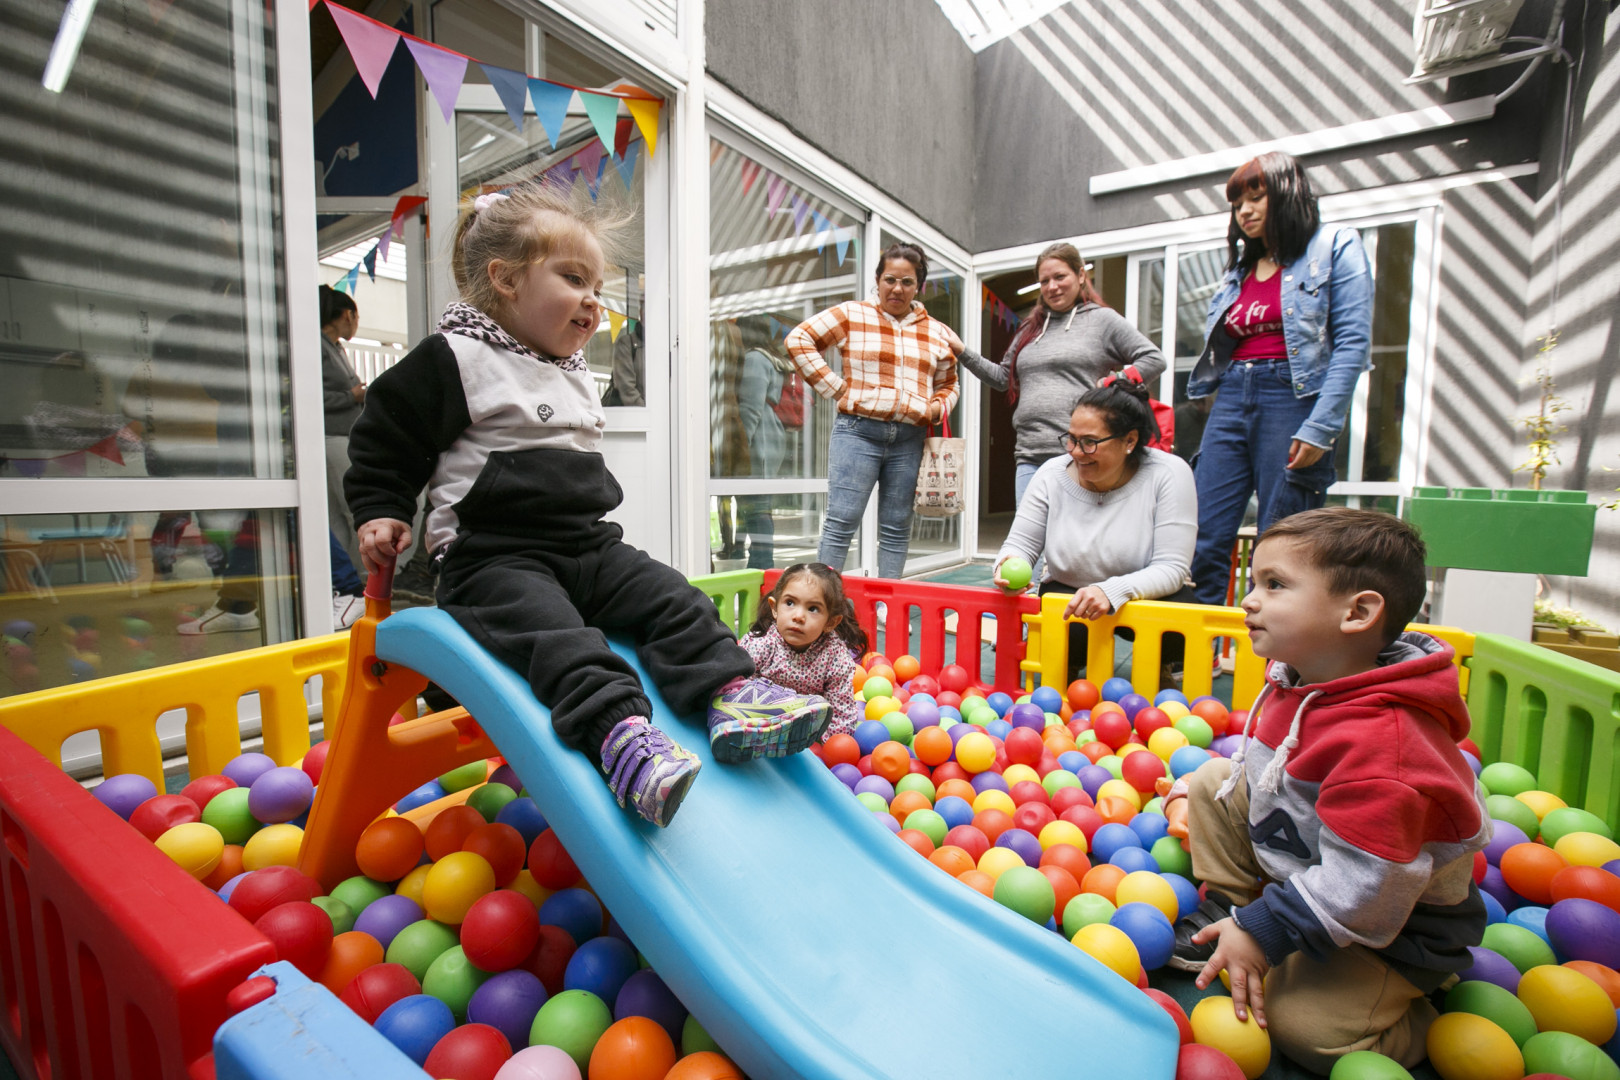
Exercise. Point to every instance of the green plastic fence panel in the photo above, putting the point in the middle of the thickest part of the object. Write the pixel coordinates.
(736, 594)
(1515, 531)
(1557, 716)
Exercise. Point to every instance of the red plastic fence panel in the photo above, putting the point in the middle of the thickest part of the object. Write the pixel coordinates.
(114, 962)
(934, 602)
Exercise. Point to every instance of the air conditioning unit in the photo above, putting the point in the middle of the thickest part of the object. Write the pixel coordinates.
(1449, 33)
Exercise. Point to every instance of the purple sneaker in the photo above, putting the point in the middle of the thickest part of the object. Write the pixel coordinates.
(646, 769)
(761, 719)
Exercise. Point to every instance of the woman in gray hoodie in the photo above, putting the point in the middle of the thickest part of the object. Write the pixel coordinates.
(1068, 342)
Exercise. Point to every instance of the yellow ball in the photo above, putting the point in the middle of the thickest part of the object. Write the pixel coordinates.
(1175, 710)
(1120, 789)
(1586, 849)
(411, 884)
(1562, 999)
(879, 707)
(1542, 802)
(1146, 887)
(1017, 774)
(993, 800)
(1463, 1046)
(525, 884)
(195, 847)
(998, 860)
(1128, 749)
(273, 845)
(1109, 945)
(975, 752)
(1166, 741)
(454, 884)
(1244, 1041)
(1062, 832)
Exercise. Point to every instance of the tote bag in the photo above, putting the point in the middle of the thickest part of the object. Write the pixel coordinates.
(939, 478)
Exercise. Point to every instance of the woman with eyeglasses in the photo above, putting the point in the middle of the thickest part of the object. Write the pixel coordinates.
(1115, 518)
(898, 377)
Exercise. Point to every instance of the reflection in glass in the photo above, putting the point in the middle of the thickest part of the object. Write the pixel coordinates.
(762, 531)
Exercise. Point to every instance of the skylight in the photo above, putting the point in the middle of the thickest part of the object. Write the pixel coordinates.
(985, 22)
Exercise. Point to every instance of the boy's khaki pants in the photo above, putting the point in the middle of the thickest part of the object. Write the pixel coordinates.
(1316, 1010)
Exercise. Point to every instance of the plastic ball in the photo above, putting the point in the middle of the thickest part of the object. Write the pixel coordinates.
(419, 944)
(970, 839)
(159, 814)
(351, 953)
(280, 794)
(1149, 930)
(389, 848)
(1506, 778)
(549, 960)
(1367, 1065)
(1582, 848)
(314, 760)
(1524, 949)
(1016, 573)
(998, 860)
(470, 1052)
(1529, 869)
(876, 686)
(1562, 999)
(229, 866)
(453, 980)
(1492, 966)
(572, 1021)
(1495, 1004)
(1027, 891)
(228, 812)
(1085, 909)
(1562, 822)
(490, 799)
(204, 788)
(634, 1048)
(124, 792)
(1585, 930)
(539, 1063)
(449, 830)
(1111, 838)
(1606, 977)
(1507, 808)
(975, 752)
(499, 845)
(415, 1024)
(1195, 1061)
(1558, 1053)
(601, 967)
(262, 890)
(1103, 880)
(645, 994)
(273, 845)
(454, 884)
(500, 930)
(1149, 888)
(1541, 803)
(1110, 946)
(386, 916)
(427, 793)
(246, 768)
(301, 933)
(371, 992)
(1470, 1047)
(704, 1065)
(1215, 1024)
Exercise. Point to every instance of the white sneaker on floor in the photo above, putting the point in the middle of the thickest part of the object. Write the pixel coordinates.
(216, 620)
(346, 610)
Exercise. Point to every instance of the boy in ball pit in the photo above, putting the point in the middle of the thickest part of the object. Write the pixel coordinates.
(1337, 844)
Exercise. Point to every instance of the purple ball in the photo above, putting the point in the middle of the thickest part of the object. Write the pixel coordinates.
(1504, 835)
(1492, 967)
(124, 792)
(645, 994)
(1612, 867)
(847, 774)
(989, 781)
(1133, 704)
(1473, 762)
(923, 714)
(508, 1003)
(1027, 714)
(890, 822)
(280, 795)
(508, 776)
(229, 887)
(386, 916)
(1093, 777)
(1498, 887)
(246, 768)
(1024, 843)
(877, 786)
(1584, 929)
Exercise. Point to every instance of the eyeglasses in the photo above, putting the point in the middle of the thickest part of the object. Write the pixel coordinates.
(1084, 443)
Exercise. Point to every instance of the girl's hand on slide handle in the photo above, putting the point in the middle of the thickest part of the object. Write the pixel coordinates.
(381, 542)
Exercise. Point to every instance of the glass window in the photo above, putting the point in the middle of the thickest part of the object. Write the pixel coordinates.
(761, 531)
(1390, 253)
(1198, 275)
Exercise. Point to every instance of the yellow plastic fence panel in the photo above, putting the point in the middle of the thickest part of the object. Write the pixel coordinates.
(124, 709)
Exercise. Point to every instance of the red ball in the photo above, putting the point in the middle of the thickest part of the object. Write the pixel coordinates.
(549, 958)
(954, 678)
(865, 765)
(469, 1052)
(389, 848)
(992, 823)
(1112, 728)
(1141, 770)
(1070, 796)
(950, 771)
(1024, 746)
(1200, 1062)
(1471, 746)
(948, 698)
(841, 750)
(301, 933)
(1481, 864)
(1235, 721)
(501, 846)
(449, 830)
(377, 987)
(552, 866)
(1032, 817)
(160, 813)
(1065, 886)
(1027, 790)
(971, 839)
(925, 684)
(500, 930)
(918, 841)
(1177, 1013)
(1149, 720)
(1069, 858)
(204, 788)
(315, 760)
(1047, 764)
(271, 887)
(1086, 817)
(917, 768)
(1587, 883)
(1083, 694)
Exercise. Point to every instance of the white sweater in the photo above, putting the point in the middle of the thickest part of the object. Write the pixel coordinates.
(1135, 542)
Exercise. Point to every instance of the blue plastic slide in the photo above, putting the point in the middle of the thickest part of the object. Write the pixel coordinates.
(802, 934)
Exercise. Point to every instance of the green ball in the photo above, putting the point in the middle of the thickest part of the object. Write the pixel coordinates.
(1154, 805)
(1563, 1054)
(1522, 948)
(474, 772)
(419, 944)
(1506, 778)
(1114, 764)
(1084, 737)
(876, 686)
(1015, 572)
(1021, 699)
(1025, 890)
(899, 725)
(453, 980)
(1366, 1065)
(489, 798)
(228, 812)
(1560, 823)
(929, 823)
(341, 914)
(1200, 734)
(572, 1022)
(1501, 807)
(695, 1040)
(1495, 1004)
(1171, 856)
(916, 782)
(359, 891)
(1053, 720)
(873, 802)
(1058, 779)
(1085, 909)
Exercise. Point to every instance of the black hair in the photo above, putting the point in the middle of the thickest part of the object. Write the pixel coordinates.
(1124, 405)
(832, 591)
(1292, 217)
(909, 252)
(334, 305)
(1363, 550)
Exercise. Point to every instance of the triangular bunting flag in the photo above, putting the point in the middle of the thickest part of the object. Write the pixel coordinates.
(383, 243)
(646, 117)
(623, 128)
(71, 464)
(822, 226)
(776, 190)
(371, 44)
(604, 114)
(406, 203)
(351, 279)
(550, 106)
(615, 324)
(444, 70)
(108, 448)
(843, 247)
(750, 173)
(370, 262)
(589, 161)
(32, 468)
(627, 165)
(510, 86)
(800, 210)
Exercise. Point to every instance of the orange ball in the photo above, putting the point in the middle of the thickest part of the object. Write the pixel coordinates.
(1212, 713)
(1106, 707)
(502, 846)
(1606, 977)
(841, 749)
(992, 823)
(933, 746)
(918, 841)
(449, 831)
(907, 803)
(960, 788)
(1064, 885)
(1587, 883)
(390, 848)
(979, 881)
(1102, 879)
(634, 1048)
(952, 859)
(907, 667)
(1115, 810)
(1529, 870)
(1095, 750)
(230, 864)
(1069, 857)
(881, 671)
(351, 954)
(873, 658)
(1056, 739)
(1083, 694)
(891, 761)
(858, 679)
(704, 1065)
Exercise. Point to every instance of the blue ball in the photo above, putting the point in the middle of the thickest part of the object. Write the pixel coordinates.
(576, 911)
(955, 810)
(1024, 843)
(1132, 859)
(1116, 688)
(415, 1024)
(1150, 827)
(847, 774)
(1187, 760)
(1494, 911)
(1533, 919)
(229, 887)
(877, 786)
(1110, 838)
(601, 967)
(1072, 761)
(870, 733)
(1047, 698)
(949, 715)
(524, 816)
(428, 792)
(1169, 695)
(508, 1003)
(999, 728)
(1133, 704)
(1051, 922)
(1186, 894)
(1000, 702)
(929, 698)
(1149, 930)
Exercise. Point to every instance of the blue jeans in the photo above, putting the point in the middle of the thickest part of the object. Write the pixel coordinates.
(862, 454)
(344, 577)
(1244, 451)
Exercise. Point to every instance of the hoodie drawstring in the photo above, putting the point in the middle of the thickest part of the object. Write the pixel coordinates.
(1249, 721)
(1271, 779)
(1048, 322)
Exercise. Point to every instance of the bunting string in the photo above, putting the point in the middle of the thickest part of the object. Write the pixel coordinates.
(998, 309)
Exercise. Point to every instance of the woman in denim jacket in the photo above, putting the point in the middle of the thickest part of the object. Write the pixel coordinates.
(1289, 332)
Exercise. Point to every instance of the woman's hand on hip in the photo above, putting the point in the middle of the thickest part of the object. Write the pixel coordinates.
(1089, 603)
(1302, 455)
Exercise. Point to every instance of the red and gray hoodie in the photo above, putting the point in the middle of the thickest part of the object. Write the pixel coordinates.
(1366, 815)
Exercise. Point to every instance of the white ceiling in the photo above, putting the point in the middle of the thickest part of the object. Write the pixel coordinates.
(984, 22)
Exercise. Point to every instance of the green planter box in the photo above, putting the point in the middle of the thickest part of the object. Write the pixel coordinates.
(1510, 531)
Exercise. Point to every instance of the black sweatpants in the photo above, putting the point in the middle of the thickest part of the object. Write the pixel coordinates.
(543, 614)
